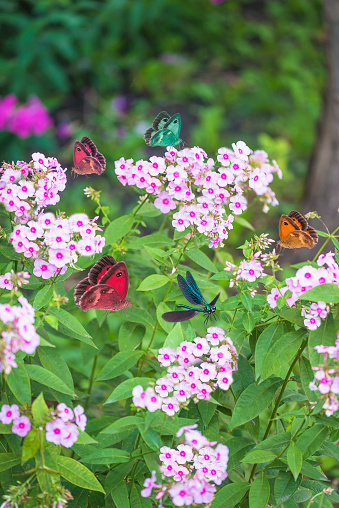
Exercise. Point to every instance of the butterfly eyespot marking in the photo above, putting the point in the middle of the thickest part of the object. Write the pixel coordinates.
(78, 149)
(119, 274)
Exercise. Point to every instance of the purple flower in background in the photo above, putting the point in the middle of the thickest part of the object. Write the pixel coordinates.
(119, 104)
(27, 119)
(64, 130)
(7, 105)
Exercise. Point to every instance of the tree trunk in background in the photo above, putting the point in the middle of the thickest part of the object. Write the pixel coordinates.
(322, 188)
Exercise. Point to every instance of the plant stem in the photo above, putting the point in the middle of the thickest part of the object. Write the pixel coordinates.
(325, 243)
(91, 380)
(276, 407)
(164, 300)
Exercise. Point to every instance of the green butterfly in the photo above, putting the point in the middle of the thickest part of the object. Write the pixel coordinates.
(165, 130)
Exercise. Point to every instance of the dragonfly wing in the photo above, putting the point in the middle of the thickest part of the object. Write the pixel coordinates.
(191, 280)
(177, 316)
(214, 301)
(190, 293)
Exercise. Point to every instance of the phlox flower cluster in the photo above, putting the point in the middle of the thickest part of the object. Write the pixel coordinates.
(202, 193)
(54, 242)
(17, 332)
(194, 370)
(326, 378)
(62, 429)
(26, 120)
(11, 280)
(26, 188)
(190, 471)
(307, 278)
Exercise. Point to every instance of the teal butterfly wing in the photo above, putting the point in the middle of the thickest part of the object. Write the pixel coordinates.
(160, 120)
(174, 125)
(165, 130)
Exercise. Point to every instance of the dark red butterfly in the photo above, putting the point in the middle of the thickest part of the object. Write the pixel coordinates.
(105, 287)
(87, 159)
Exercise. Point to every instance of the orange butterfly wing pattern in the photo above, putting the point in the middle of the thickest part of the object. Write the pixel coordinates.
(295, 232)
(87, 158)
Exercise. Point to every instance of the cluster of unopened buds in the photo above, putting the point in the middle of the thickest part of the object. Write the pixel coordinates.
(326, 378)
(11, 280)
(190, 471)
(55, 242)
(56, 497)
(17, 332)
(26, 188)
(194, 370)
(62, 429)
(28, 119)
(307, 278)
(198, 189)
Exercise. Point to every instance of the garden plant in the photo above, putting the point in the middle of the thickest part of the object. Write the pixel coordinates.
(142, 412)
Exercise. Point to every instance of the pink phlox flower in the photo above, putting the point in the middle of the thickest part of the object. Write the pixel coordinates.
(201, 347)
(221, 355)
(59, 257)
(327, 259)
(273, 296)
(195, 439)
(182, 392)
(319, 309)
(157, 166)
(181, 495)
(186, 428)
(70, 435)
(65, 413)
(224, 156)
(238, 204)
(163, 387)
(170, 406)
(185, 454)
(149, 484)
(152, 400)
(176, 373)
(56, 431)
(180, 220)
(215, 335)
(139, 394)
(311, 322)
(164, 202)
(208, 371)
(80, 417)
(44, 269)
(9, 413)
(176, 173)
(224, 380)
(21, 426)
(180, 472)
(171, 153)
(168, 454)
(166, 356)
(241, 150)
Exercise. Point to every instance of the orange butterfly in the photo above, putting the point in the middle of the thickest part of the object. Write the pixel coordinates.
(295, 232)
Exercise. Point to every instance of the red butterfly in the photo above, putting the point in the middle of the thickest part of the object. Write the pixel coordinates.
(105, 288)
(87, 159)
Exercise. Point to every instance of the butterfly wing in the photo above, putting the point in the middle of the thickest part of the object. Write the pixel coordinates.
(160, 120)
(190, 291)
(177, 316)
(101, 268)
(81, 288)
(79, 152)
(174, 125)
(313, 234)
(164, 137)
(117, 277)
(88, 165)
(298, 219)
(101, 297)
(92, 149)
(286, 226)
(148, 136)
(298, 239)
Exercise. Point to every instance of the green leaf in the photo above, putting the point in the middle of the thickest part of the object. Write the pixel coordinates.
(259, 492)
(31, 445)
(154, 239)
(124, 389)
(54, 362)
(161, 309)
(107, 456)
(119, 228)
(8, 460)
(230, 495)
(306, 376)
(259, 457)
(47, 378)
(117, 475)
(120, 495)
(74, 472)
(246, 300)
(281, 352)
(153, 282)
(84, 438)
(311, 440)
(253, 400)
(19, 384)
(123, 425)
(330, 449)
(43, 297)
(266, 339)
(284, 487)
(139, 316)
(130, 336)
(175, 337)
(243, 222)
(39, 409)
(242, 377)
(135, 498)
(206, 410)
(238, 447)
(201, 259)
(328, 293)
(72, 326)
(294, 459)
(248, 321)
(312, 472)
(119, 364)
(275, 443)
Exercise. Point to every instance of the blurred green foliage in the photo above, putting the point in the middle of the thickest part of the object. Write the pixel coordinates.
(242, 69)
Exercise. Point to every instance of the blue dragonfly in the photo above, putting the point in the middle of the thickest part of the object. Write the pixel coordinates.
(193, 295)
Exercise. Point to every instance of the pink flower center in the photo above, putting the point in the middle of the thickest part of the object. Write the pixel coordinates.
(40, 161)
(251, 272)
(153, 399)
(43, 268)
(21, 425)
(168, 455)
(225, 156)
(322, 280)
(9, 414)
(182, 493)
(256, 178)
(170, 406)
(307, 275)
(88, 248)
(155, 165)
(206, 457)
(199, 346)
(184, 159)
(165, 201)
(237, 204)
(225, 380)
(56, 431)
(206, 371)
(59, 255)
